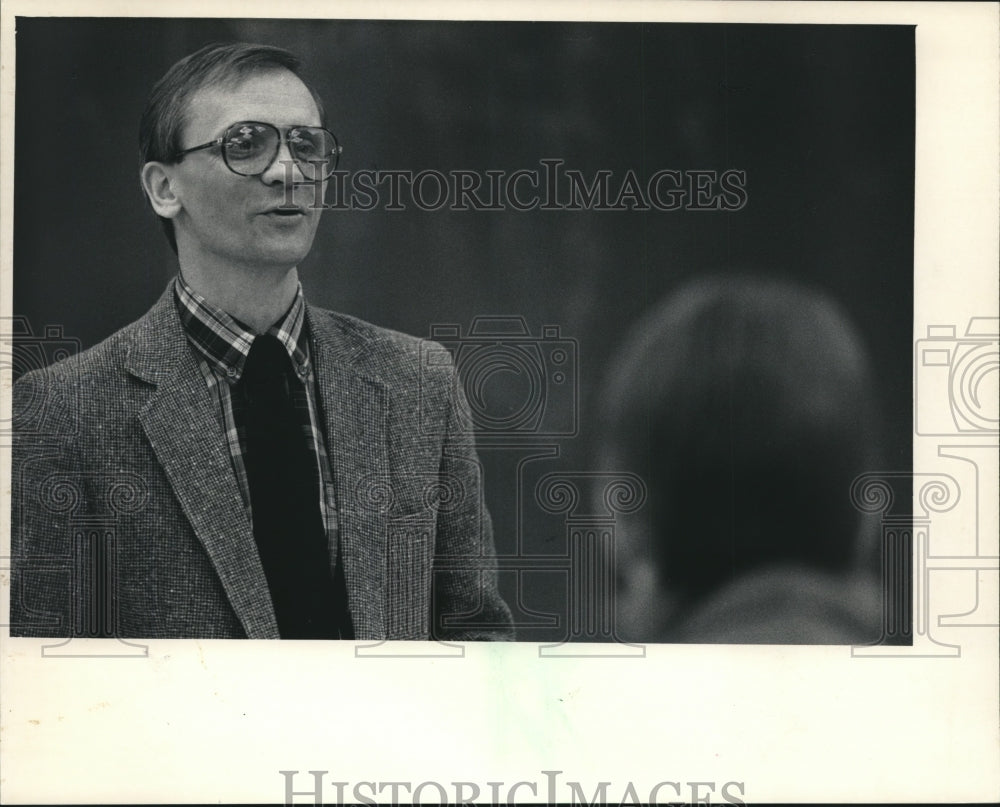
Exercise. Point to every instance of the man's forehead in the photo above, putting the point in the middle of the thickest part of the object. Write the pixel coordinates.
(275, 96)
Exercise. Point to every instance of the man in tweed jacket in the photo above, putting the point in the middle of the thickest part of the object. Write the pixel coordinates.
(130, 510)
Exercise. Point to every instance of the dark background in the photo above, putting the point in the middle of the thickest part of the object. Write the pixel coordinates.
(820, 117)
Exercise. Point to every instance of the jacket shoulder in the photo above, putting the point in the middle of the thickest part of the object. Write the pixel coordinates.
(91, 366)
(53, 401)
(390, 356)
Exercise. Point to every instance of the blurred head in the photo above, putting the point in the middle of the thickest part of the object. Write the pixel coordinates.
(747, 407)
(198, 85)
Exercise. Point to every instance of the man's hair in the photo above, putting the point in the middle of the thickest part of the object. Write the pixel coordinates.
(226, 64)
(748, 408)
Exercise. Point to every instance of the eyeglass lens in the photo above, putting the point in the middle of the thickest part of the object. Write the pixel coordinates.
(249, 149)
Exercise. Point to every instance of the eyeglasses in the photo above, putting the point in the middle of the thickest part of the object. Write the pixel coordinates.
(250, 147)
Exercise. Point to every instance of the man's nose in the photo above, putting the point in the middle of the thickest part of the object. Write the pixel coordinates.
(284, 169)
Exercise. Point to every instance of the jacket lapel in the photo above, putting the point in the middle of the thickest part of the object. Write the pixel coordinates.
(187, 436)
(355, 409)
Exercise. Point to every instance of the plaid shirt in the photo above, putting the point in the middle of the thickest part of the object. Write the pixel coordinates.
(222, 344)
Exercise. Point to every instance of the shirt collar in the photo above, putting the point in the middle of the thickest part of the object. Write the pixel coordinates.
(225, 342)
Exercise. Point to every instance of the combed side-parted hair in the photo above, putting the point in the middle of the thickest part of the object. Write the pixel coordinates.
(225, 64)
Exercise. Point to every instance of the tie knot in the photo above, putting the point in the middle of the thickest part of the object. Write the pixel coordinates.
(268, 362)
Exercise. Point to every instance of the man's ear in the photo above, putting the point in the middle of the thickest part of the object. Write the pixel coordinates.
(157, 182)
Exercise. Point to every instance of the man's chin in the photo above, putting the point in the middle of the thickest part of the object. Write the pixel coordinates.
(286, 243)
(280, 257)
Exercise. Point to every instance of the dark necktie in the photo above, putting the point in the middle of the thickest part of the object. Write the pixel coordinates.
(309, 602)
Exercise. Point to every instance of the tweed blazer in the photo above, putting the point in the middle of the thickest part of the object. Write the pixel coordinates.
(121, 450)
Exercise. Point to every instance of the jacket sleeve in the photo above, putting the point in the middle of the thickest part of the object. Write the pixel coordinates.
(467, 605)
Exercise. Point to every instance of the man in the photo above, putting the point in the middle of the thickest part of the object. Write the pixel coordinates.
(747, 406)
(239, 463)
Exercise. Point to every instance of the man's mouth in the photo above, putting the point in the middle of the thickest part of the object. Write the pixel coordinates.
(286, 211)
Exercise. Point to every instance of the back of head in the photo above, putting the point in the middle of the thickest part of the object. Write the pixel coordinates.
(224, 64)
(747, 407)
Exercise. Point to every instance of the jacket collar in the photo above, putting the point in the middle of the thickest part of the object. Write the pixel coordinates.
(186, 434)
(355, 406)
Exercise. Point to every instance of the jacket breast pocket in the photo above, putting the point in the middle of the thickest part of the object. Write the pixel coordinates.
(408, 583)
